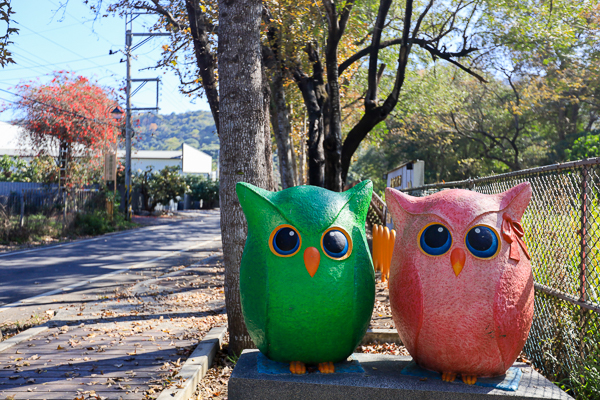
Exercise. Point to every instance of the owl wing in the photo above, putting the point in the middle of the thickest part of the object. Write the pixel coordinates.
(513, 310)
(406, 296)
(253, 293)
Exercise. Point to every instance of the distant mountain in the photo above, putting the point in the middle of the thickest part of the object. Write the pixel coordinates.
(169, 132)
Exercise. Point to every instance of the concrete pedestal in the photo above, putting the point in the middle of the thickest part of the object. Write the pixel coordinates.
(382, 380)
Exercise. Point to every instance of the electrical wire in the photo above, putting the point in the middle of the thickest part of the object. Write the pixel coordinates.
(54, 107)
(61, 46)
(54, 64)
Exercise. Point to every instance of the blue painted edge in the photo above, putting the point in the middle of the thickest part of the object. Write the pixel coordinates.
(266, 366)
(509, 382)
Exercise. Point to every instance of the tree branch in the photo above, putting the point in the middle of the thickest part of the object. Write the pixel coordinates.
(344, 18)
(371, 97)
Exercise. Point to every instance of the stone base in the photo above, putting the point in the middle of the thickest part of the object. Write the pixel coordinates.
(382, 380)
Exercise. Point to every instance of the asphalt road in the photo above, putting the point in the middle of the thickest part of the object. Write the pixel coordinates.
(33, 272)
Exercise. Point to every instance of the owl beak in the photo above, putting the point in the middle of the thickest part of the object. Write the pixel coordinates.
(457, 259)
(312, 257)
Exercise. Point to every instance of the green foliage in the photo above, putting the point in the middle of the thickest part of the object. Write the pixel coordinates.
(98, 222)
(168, 132)
(585, 147)
(41, 169)
(166, 185)
(202, 188)
(586, 379)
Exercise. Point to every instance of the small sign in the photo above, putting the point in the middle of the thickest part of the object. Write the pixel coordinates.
(110, 166)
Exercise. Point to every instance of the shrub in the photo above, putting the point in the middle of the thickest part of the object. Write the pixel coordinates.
(159, 187)
(201, 188)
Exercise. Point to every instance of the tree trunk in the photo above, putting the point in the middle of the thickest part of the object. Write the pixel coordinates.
(204, 58)
(242, 138)
(271, 184)
(316, 154)
(281, 126)
(333, 137)
(315, 98)
(302, 156)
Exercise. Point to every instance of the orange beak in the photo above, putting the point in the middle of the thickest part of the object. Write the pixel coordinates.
(312, 257)
(457, 259)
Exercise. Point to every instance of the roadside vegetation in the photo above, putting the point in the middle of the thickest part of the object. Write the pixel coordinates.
(49, 225)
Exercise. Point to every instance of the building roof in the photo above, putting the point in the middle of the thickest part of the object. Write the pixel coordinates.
(402, 165)
(153, 154)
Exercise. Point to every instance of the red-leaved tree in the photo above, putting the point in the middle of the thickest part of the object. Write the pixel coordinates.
(69, 119)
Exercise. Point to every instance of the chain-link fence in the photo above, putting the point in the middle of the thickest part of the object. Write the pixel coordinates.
(562, 232)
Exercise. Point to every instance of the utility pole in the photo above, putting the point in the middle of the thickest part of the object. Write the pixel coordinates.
(129, 18)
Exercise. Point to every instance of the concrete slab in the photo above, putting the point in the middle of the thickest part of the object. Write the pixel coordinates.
(382, 380)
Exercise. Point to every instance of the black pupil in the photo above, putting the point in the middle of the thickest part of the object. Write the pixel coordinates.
(435, 236)
(480, 239)
(286, 239)
(334, 241)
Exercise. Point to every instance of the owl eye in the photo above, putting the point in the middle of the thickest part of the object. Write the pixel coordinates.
(435, 240)
(482, 242)
(336, 243)
(285, 241)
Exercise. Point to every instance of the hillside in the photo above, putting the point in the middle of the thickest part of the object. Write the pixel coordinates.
(169, 132)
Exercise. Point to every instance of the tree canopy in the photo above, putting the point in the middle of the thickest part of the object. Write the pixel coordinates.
(69, 119)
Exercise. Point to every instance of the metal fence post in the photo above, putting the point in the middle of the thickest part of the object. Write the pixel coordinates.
(22, 209)
(584, 251)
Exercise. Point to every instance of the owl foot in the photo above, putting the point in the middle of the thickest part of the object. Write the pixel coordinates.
(448, 376)
(326, 368)
(297, 367)
(469, 379)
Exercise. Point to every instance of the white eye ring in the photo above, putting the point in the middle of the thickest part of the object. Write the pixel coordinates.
(292, 233)
(440, 229)
(477, 230)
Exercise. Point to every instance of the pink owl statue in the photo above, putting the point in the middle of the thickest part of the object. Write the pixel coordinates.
(461, 285)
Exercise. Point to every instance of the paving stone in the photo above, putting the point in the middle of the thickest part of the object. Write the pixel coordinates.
(140, 341)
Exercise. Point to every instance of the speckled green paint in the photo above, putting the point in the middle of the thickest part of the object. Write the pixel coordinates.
(290, 315)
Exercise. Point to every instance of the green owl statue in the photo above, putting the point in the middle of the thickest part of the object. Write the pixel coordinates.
(307, 283)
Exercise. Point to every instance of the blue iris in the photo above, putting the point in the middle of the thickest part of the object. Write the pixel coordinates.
(286, 241)
(335, 244)
(482, 242)
(435, 240)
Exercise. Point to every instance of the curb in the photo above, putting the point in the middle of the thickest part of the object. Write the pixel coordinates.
(28, 334)
(381, 336)
(196, 365)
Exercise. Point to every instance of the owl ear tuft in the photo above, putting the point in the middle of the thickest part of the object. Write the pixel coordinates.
(253, 200)
(401, 206)
(514, 201)
(359, 198)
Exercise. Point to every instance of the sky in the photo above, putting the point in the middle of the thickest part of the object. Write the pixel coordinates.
(53, 38)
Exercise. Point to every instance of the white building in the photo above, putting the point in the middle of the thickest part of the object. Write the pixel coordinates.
(10, 135)
(188, 159)
(407, 175)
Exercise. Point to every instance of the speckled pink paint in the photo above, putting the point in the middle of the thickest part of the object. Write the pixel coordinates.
(475, 323)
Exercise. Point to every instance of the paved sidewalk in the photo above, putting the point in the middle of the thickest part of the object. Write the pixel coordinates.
(126, 344)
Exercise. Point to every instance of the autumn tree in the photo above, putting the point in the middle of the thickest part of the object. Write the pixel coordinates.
(69, 119)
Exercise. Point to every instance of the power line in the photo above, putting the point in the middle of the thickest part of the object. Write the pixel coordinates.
(79, 22)
(54, 107)
(54, 64)
(60, 45)
(79, 69)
